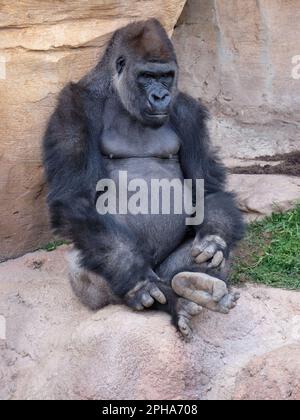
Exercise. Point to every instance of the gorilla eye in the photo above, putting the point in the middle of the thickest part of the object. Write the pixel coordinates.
(120, 64)
(168, 77)
(147, 75)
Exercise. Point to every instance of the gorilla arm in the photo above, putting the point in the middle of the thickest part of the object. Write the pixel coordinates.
(73, 167)
(223, 224)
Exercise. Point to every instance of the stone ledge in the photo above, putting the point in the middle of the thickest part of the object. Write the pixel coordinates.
(56, 349)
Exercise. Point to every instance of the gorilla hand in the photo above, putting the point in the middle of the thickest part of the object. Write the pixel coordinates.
(211, 247)
(144, 293)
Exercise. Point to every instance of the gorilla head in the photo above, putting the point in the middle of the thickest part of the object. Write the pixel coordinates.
(144, 68)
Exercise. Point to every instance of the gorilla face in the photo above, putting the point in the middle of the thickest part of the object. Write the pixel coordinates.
(147, 90)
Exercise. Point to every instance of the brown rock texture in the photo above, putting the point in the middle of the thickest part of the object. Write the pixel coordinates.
(56, 349)
(237, 56)
(260, 195)
(274, 376)
(43, 46)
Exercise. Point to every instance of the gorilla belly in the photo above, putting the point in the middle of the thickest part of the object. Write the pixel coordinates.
(160, 233)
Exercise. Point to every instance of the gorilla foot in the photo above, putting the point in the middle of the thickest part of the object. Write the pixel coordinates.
(206, 291)
(186, 310)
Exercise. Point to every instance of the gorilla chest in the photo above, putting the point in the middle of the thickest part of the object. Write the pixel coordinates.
(136, 141)
(143, 153)
(147, 156)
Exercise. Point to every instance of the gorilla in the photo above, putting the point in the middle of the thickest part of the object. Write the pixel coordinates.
(127, 114)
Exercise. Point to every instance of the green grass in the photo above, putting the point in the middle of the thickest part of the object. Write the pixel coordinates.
(270, 253)
(52, 246)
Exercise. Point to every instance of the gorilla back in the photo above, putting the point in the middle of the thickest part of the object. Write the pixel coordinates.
(127, 114)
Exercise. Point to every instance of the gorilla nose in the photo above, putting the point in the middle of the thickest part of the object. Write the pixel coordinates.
(160, 100)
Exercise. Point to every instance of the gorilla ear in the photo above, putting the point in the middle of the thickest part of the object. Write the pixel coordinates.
(120, 64)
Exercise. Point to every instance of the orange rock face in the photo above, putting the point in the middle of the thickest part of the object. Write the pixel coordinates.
(43, 46)
(243, 65)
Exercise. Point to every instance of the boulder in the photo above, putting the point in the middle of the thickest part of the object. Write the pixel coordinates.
(43, 46)
(261, 195)
(51, 347)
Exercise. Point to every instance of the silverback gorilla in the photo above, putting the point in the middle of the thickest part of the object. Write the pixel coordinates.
(128, 115)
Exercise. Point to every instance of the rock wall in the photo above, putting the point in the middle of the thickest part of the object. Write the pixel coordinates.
(43, 45)
(237, 56)
(240, 58)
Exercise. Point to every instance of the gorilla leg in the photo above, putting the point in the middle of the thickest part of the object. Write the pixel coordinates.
(187, 286)
(196, 284)
(182, 260)
(95, 293)
(92, 290)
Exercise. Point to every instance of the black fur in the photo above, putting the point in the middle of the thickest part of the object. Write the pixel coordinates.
(199, 161)
(74, 163)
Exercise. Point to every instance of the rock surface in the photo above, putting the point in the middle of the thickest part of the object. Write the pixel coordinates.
(242, 70)
(260, 195)
(56, 349)
(274, 376)
(237, 56)
(43, 46)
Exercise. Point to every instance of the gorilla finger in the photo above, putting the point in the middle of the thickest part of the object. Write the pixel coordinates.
(232, 304)
(228, 302)
(223, 310)
(158, 295)
(236, 296)
(198, 248)
(205, 256)
(137, 306)
(217, 260)
(147, 300)
(191, 308)
(219, 290)
(184, 328)
(218, 307)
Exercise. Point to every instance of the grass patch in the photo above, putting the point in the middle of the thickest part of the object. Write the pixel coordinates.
(270, 253)
(52, 246)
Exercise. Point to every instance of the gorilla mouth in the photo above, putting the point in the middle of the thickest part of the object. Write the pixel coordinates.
(157, 115)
